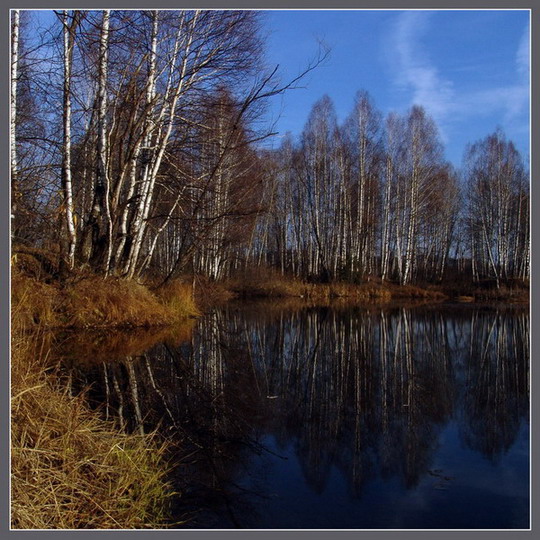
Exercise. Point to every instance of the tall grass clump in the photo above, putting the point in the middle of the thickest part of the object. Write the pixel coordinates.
(179, 299)
(69, 468)
(90, 301)
(38, 303)
(94, 302)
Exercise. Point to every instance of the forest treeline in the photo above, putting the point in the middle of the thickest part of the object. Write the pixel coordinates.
(136, 149)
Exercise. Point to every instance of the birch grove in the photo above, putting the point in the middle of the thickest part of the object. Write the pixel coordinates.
(498, 209)
(371, 200)
(136, 150)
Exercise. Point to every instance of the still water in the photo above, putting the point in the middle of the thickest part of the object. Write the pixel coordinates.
(345, 418)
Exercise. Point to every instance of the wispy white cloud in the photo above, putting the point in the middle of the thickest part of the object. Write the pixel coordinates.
(523, 55)
(520, 94)
(415, 72)
(512, 100)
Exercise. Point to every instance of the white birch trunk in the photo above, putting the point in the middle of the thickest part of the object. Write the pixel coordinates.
(69, 42)
(137, 225)
(13, 115)
(161, 139)
(385, 248)
(103, 182)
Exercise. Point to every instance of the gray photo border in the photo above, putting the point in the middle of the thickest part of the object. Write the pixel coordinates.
(533, 5)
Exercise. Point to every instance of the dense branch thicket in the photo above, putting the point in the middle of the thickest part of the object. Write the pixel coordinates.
(135, 150)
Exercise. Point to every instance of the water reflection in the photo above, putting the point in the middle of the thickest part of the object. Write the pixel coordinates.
(365, 391)
(496, 383)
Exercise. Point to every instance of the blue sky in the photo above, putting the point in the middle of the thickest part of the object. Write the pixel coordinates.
(469, 69)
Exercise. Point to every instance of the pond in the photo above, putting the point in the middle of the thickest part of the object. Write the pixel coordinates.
(329, 418)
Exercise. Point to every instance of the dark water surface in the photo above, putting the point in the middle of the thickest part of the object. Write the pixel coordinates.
(346, 418)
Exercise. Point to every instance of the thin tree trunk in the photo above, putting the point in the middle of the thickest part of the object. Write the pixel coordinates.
(13, 117)
(102, 240)
(172, 95)
(138, 220)
(385, 248)
(69, 42)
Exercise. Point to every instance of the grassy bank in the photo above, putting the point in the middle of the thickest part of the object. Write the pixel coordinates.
(269, 284)
(90, 301)
(86, 300)
(70, 469)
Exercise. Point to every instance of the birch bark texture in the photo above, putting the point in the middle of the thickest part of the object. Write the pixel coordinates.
(70, 23)
(15, 27)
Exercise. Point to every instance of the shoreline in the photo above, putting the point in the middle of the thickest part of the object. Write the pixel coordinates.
(93, 302)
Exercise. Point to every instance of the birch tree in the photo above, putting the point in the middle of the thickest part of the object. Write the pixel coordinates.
(230, 188)
(15, 22)
(390, 241)
(100, 217)
(423, 157)
(321, 181)
(363, 130)
(498, 209)
(205, 48)
(70, 23)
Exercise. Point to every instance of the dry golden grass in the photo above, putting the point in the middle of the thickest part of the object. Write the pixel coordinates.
(208, 293)
(38, 303)
(364, 292)
(70, 469)
(274, 288)
(502, 294)
(270, 284)
(179, 299)
(47, 297)
(95, 301)
(265, 282)
(40, 264)
(92, 302)
(415, 292)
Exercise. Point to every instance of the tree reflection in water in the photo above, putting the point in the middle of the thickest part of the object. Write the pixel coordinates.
(364, 390)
